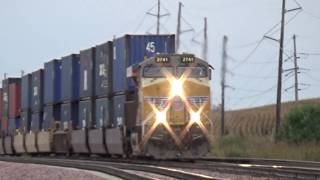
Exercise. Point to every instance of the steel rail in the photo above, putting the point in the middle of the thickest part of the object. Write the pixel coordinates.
(165, 171)
(104, 169)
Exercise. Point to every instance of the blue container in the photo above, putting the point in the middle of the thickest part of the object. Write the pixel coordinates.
(14, 124)
(26, 92)
(69, 115)
(87, 79)
(37, 90)
(36, 121)
(25, 121)
(51, 114)
(70, 78)
(133, 49)
(118, 110)
(102, 111)
(103, 69)
(52, 82)
(86, 114)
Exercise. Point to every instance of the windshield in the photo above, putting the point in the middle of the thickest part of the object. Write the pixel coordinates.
(199, 71)
(156, 71)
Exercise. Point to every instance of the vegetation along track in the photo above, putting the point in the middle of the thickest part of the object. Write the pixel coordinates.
(118, 169)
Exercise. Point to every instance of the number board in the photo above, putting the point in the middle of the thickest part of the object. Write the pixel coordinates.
(162, 59)
(187, 59)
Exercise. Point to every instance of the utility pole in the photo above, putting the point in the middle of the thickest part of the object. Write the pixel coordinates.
(223, 79)
(158, 18)
(158, 15)
(178, 28)
(296, 88)
(279, 87)
(205, 41)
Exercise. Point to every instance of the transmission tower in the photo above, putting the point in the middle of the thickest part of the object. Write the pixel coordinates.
(158, 15)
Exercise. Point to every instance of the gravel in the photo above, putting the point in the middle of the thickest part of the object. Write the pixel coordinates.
(18, 171)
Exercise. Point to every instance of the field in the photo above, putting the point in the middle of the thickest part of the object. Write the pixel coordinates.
(257, 121)
(264, 147)
(250, 132)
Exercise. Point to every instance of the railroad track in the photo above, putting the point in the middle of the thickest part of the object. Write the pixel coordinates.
(278, 162)
(188, 168)
(118, 169)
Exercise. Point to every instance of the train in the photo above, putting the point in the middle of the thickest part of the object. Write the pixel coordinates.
(129, 97)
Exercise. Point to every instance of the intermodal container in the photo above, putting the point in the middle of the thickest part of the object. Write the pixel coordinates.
(87, 64)
(70, 78)
(26, 92)
(69, 115)
(118, 110)
(86, 114)
(1, 103)
(51, 114)
(14, 100)
(103, 69)
(14, 124)
(52, 82)
(102, 112)
(4, 125)
(133, 49)
(37, 90)
(25, 121)
(36, 121)
(5, 94)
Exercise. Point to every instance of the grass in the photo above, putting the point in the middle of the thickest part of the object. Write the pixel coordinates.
(264, 147)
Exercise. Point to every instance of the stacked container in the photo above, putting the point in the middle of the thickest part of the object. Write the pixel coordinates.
(1, 137)
(26, 102)
(14, 107)
(52, 94)
(129, 50)
(70, 85)
(37, 87)
(1, 101)
(10, 106)
(87, 89)
(10, 111)
(103, 85)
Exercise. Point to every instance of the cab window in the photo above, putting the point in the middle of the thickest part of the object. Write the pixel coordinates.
(196, 72)
(156, 71)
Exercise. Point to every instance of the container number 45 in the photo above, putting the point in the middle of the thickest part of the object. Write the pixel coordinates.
(151, 47)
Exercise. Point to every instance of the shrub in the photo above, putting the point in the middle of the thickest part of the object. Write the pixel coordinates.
(301, 125)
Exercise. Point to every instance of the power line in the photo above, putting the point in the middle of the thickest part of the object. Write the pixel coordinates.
(260, 62)
(245, 45)
(311, 15)
(249, 55)
(251, 76)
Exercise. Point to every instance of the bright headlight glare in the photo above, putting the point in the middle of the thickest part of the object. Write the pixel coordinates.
(176, 88)
(195, 116)
(161, 117)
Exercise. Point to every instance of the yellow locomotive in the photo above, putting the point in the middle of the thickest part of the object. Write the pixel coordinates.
(173, 106)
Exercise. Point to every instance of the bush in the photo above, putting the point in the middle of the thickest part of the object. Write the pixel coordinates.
(301, 125)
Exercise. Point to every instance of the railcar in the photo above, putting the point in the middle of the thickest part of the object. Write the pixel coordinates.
(130, 97)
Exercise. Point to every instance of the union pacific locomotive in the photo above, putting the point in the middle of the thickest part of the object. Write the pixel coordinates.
(129, 97)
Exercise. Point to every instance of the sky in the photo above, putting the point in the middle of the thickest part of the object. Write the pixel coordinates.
(36, 31)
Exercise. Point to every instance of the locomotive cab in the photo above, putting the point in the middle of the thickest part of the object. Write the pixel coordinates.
(173, 116)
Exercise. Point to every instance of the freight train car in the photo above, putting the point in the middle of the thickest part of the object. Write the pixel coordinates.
(128, 97)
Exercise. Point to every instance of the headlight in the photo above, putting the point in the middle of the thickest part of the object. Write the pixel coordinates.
(161, 117)
(195, 117)
(176, 88)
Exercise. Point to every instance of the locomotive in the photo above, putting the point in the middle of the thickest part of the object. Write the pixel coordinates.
(130, 97)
